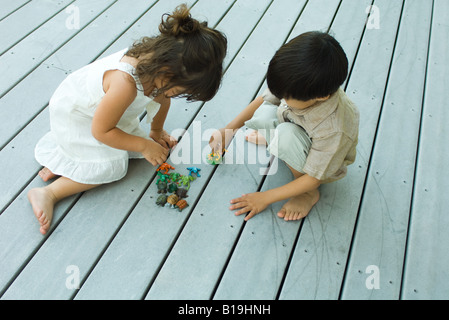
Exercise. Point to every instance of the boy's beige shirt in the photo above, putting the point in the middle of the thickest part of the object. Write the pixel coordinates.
(333, 127)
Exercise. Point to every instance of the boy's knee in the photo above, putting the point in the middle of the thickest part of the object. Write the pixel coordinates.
(291, 144)
(265, 118)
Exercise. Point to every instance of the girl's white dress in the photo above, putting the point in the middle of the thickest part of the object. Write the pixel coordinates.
(69, 149)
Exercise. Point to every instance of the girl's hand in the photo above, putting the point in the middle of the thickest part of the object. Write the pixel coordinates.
(163, 138)
(155, 153)
(253, 203)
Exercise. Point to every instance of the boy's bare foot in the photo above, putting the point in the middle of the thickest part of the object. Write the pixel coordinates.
(46, 174)
(42, 202)
(299, 207)
(256, 138)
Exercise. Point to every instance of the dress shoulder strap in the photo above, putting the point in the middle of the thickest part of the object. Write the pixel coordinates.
(126, 67)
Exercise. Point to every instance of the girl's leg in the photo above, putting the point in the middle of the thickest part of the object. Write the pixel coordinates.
(46, 174)
(44, 199)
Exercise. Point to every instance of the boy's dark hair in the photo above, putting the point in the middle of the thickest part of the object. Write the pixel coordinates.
(187, 52)
(312, 65)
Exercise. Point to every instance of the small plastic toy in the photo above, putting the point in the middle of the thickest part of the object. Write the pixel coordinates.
(172, 187)
(165, 167)
(161, 187)
(185, 181)
(181, 205)
(161, 200)
(172, 200)
(162, 177)
(214, 158)
(194, 170)
(181, 193)
(174, 176)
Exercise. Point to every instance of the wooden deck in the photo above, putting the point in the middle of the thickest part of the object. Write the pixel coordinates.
(380, 233)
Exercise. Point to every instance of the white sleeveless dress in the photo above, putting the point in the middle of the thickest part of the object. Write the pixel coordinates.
(69, 149)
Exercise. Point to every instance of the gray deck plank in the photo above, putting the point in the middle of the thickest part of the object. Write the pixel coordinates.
(8, 7)
(153, 216)
(127, 248)
(19, 235)
(426, 266)
(26, 55)
(382, 225)
(318, 264)
(202, 277)
(24, 20)
(266, 235)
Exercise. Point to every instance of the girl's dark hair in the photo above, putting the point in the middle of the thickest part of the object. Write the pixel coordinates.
(312, 65)
(187, 52)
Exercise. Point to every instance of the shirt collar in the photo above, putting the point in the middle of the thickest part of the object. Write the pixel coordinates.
(316, 113)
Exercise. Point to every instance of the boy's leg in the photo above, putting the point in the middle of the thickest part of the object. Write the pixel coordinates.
(299, 207)
(44, 199)
(292, 144)
(264, 121)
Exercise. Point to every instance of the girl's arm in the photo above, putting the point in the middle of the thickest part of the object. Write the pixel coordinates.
(157, 132)
(120, 92)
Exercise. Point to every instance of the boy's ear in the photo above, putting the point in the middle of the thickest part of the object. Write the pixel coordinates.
(324, 98)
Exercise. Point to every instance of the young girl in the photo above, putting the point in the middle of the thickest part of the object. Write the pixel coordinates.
(94, 113)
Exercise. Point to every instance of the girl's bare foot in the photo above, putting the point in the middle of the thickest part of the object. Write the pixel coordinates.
(46, 174)
(256, 138)
(299, 207)
(42, 202)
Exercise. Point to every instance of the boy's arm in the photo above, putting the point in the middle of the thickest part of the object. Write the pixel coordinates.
(256, 202)
(221, 138)
(245, 115)
(294, 188)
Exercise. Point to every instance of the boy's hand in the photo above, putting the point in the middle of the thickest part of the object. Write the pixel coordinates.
(253, 203)
(163, 138)
(220, 140)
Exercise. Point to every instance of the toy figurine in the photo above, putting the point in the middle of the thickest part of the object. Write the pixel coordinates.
(161, 187)
(174, 176)
(181, 193)
(162, 177)
(185, 180)
(194, 170)
(214, 158)
(181, 205)
(161, 200)
(165, 167)
(172, 200)
(172, 187)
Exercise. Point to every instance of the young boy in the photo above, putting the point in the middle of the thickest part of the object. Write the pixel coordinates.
(305, 119)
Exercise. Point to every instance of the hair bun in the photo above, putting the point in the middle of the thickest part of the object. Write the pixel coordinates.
(179, 22)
